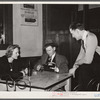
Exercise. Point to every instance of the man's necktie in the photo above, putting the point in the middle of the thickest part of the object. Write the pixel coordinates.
(49, 59)
(82, 44)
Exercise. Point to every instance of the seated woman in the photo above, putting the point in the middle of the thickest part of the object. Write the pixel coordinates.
(8, 70)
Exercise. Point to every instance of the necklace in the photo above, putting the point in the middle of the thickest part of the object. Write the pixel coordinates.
(11, 66)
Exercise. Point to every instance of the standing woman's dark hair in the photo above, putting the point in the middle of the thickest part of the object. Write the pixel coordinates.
(10, 50)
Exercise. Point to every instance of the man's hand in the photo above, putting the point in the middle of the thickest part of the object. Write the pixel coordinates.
(56, 69)
(39, 67)
(72, 71)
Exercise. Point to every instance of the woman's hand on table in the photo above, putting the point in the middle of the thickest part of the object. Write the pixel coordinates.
(25, 71)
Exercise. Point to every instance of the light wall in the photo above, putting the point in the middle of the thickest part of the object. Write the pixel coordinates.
(29, 38)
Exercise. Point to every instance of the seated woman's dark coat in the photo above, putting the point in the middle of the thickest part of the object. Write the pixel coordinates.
(5, 69)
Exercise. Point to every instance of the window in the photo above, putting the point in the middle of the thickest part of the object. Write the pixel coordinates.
(6, 37)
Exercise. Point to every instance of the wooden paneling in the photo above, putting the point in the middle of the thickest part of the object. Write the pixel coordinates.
(57, 19)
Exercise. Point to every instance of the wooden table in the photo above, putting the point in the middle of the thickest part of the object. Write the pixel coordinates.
(46, 81)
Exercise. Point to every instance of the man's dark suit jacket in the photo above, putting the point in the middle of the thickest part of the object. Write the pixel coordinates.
(61, 62)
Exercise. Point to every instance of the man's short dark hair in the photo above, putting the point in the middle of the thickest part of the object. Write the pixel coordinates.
(75, 25)
(50, 44)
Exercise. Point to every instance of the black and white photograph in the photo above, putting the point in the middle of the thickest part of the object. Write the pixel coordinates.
(51, 48)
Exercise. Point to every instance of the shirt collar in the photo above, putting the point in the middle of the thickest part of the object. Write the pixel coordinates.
(53, 56)
(84, 35)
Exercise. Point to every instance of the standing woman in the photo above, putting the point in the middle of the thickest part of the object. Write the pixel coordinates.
(87, 63)
(7, 67)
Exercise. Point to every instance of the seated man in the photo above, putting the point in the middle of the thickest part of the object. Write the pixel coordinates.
(52, 61)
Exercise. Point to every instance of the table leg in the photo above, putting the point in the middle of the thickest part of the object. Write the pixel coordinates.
(68, 85)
